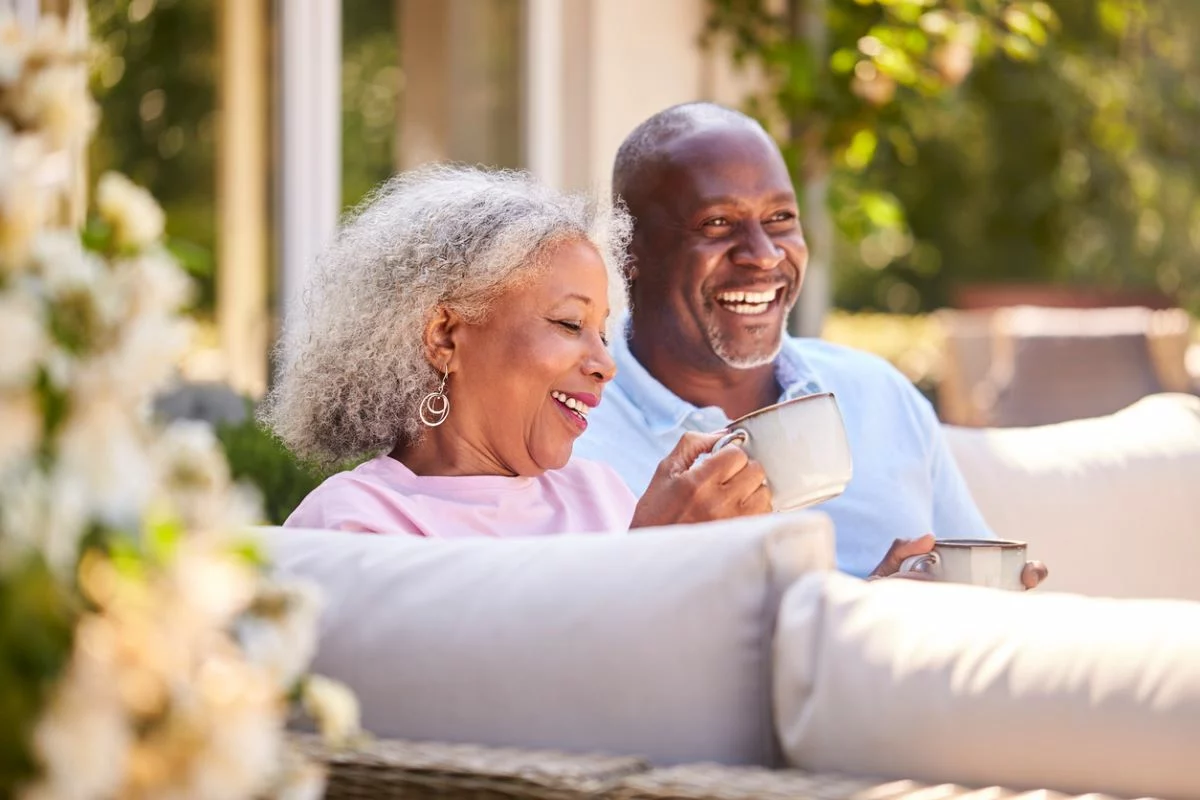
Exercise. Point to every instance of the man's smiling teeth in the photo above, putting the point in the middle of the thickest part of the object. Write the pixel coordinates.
(579, 408)
(747, 302)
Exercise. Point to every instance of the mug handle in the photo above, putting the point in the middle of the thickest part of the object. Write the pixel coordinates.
(737, 434)
(926, 562)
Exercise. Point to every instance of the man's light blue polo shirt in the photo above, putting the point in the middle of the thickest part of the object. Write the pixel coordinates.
(905, 480)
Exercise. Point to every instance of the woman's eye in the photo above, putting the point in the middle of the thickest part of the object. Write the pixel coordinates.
(571, 325)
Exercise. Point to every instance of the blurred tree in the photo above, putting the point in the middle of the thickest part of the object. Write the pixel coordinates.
(1077, 166)
(155, 78)
(844, 76)
(371, 84)
(1082, 168)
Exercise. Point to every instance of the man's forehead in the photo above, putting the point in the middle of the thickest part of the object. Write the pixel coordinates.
(721, 164)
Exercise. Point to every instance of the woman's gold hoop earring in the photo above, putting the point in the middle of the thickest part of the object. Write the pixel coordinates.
(435, 406)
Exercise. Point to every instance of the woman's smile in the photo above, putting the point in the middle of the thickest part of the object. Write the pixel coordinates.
(575, 407)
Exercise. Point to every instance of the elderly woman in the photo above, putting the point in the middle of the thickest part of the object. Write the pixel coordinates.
(456, 334)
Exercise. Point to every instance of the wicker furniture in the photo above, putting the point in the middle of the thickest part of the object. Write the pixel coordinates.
(424, 771)
(1025, 366)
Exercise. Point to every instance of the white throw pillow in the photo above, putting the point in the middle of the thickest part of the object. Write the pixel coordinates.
(1111, 504)
(945, 683)
(655, 643)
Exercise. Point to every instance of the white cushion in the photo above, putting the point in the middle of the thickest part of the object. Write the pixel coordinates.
(945, 683)
(1111, 504)
(655, 643)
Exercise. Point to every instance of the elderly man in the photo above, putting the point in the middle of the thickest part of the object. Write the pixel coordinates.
(716, 262)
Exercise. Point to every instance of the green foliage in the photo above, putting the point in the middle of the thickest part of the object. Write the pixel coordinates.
(879, 56)
(371, 82)
(156, 79)
(259, 458)
(1080, 168)
(1069, 158)
(37, 616)
(850, 78)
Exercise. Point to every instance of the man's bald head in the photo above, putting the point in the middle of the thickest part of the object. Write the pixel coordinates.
(715, 220)
(648, 145)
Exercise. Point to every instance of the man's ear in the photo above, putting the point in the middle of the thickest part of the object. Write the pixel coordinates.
(442, 331)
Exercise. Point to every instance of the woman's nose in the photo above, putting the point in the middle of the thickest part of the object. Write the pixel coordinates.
(600, 362)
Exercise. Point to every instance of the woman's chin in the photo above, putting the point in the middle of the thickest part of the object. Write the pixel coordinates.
(556, 460)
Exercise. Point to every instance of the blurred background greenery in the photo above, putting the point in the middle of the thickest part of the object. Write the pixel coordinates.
(1072, 160)
(1066, 154)
(1051, 144)
(156, 79)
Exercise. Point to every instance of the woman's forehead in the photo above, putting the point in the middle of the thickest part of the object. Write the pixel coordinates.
(570, 271)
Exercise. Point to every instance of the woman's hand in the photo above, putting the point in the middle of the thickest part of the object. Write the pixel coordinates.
(721, 486)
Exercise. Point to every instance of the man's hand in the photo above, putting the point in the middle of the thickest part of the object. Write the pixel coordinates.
(721, 486)
(898, 552)
(1032, 574)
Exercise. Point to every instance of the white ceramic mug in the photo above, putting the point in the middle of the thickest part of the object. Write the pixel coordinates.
(997, 563)
(801, 444)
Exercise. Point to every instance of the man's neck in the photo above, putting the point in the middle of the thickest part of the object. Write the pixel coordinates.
(735, 391)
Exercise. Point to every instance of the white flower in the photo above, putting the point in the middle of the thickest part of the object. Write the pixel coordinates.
(22, 331)
(55, 100)
(157, 284)
(85, 296)
(52, 40)
(280, 632)
(102, 454)
(146, 355)
(14, 50)
(71, 272)
(24, 197)
(20, 427)
(85, 737)
(40, 512)
(213, 585)
(23, 211)
(333, 707)
(242, 716)
(136, 218)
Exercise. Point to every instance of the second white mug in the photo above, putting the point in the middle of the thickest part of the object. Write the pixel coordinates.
(996, 563)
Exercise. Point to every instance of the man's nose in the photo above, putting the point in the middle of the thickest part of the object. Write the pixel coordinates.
(757, 249)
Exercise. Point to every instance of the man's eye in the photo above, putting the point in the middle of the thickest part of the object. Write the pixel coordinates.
(717, 222)
(782, 216)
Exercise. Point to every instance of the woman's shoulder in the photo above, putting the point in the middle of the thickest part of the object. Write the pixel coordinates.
(591, 475)
(368, 497)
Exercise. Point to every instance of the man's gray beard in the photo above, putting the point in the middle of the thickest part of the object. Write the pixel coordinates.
(743, 362)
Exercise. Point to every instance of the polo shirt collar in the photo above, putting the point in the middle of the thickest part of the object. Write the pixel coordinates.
(665, 412)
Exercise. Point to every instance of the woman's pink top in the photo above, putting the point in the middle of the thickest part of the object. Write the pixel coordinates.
(384, 496)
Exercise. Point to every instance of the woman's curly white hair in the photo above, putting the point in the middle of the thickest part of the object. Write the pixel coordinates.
(351, 361)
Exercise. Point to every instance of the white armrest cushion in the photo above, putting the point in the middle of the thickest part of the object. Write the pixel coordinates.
(1111, 504)
(945, 683)
(655, 643)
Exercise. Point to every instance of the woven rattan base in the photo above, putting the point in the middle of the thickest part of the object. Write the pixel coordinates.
(389, 769)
